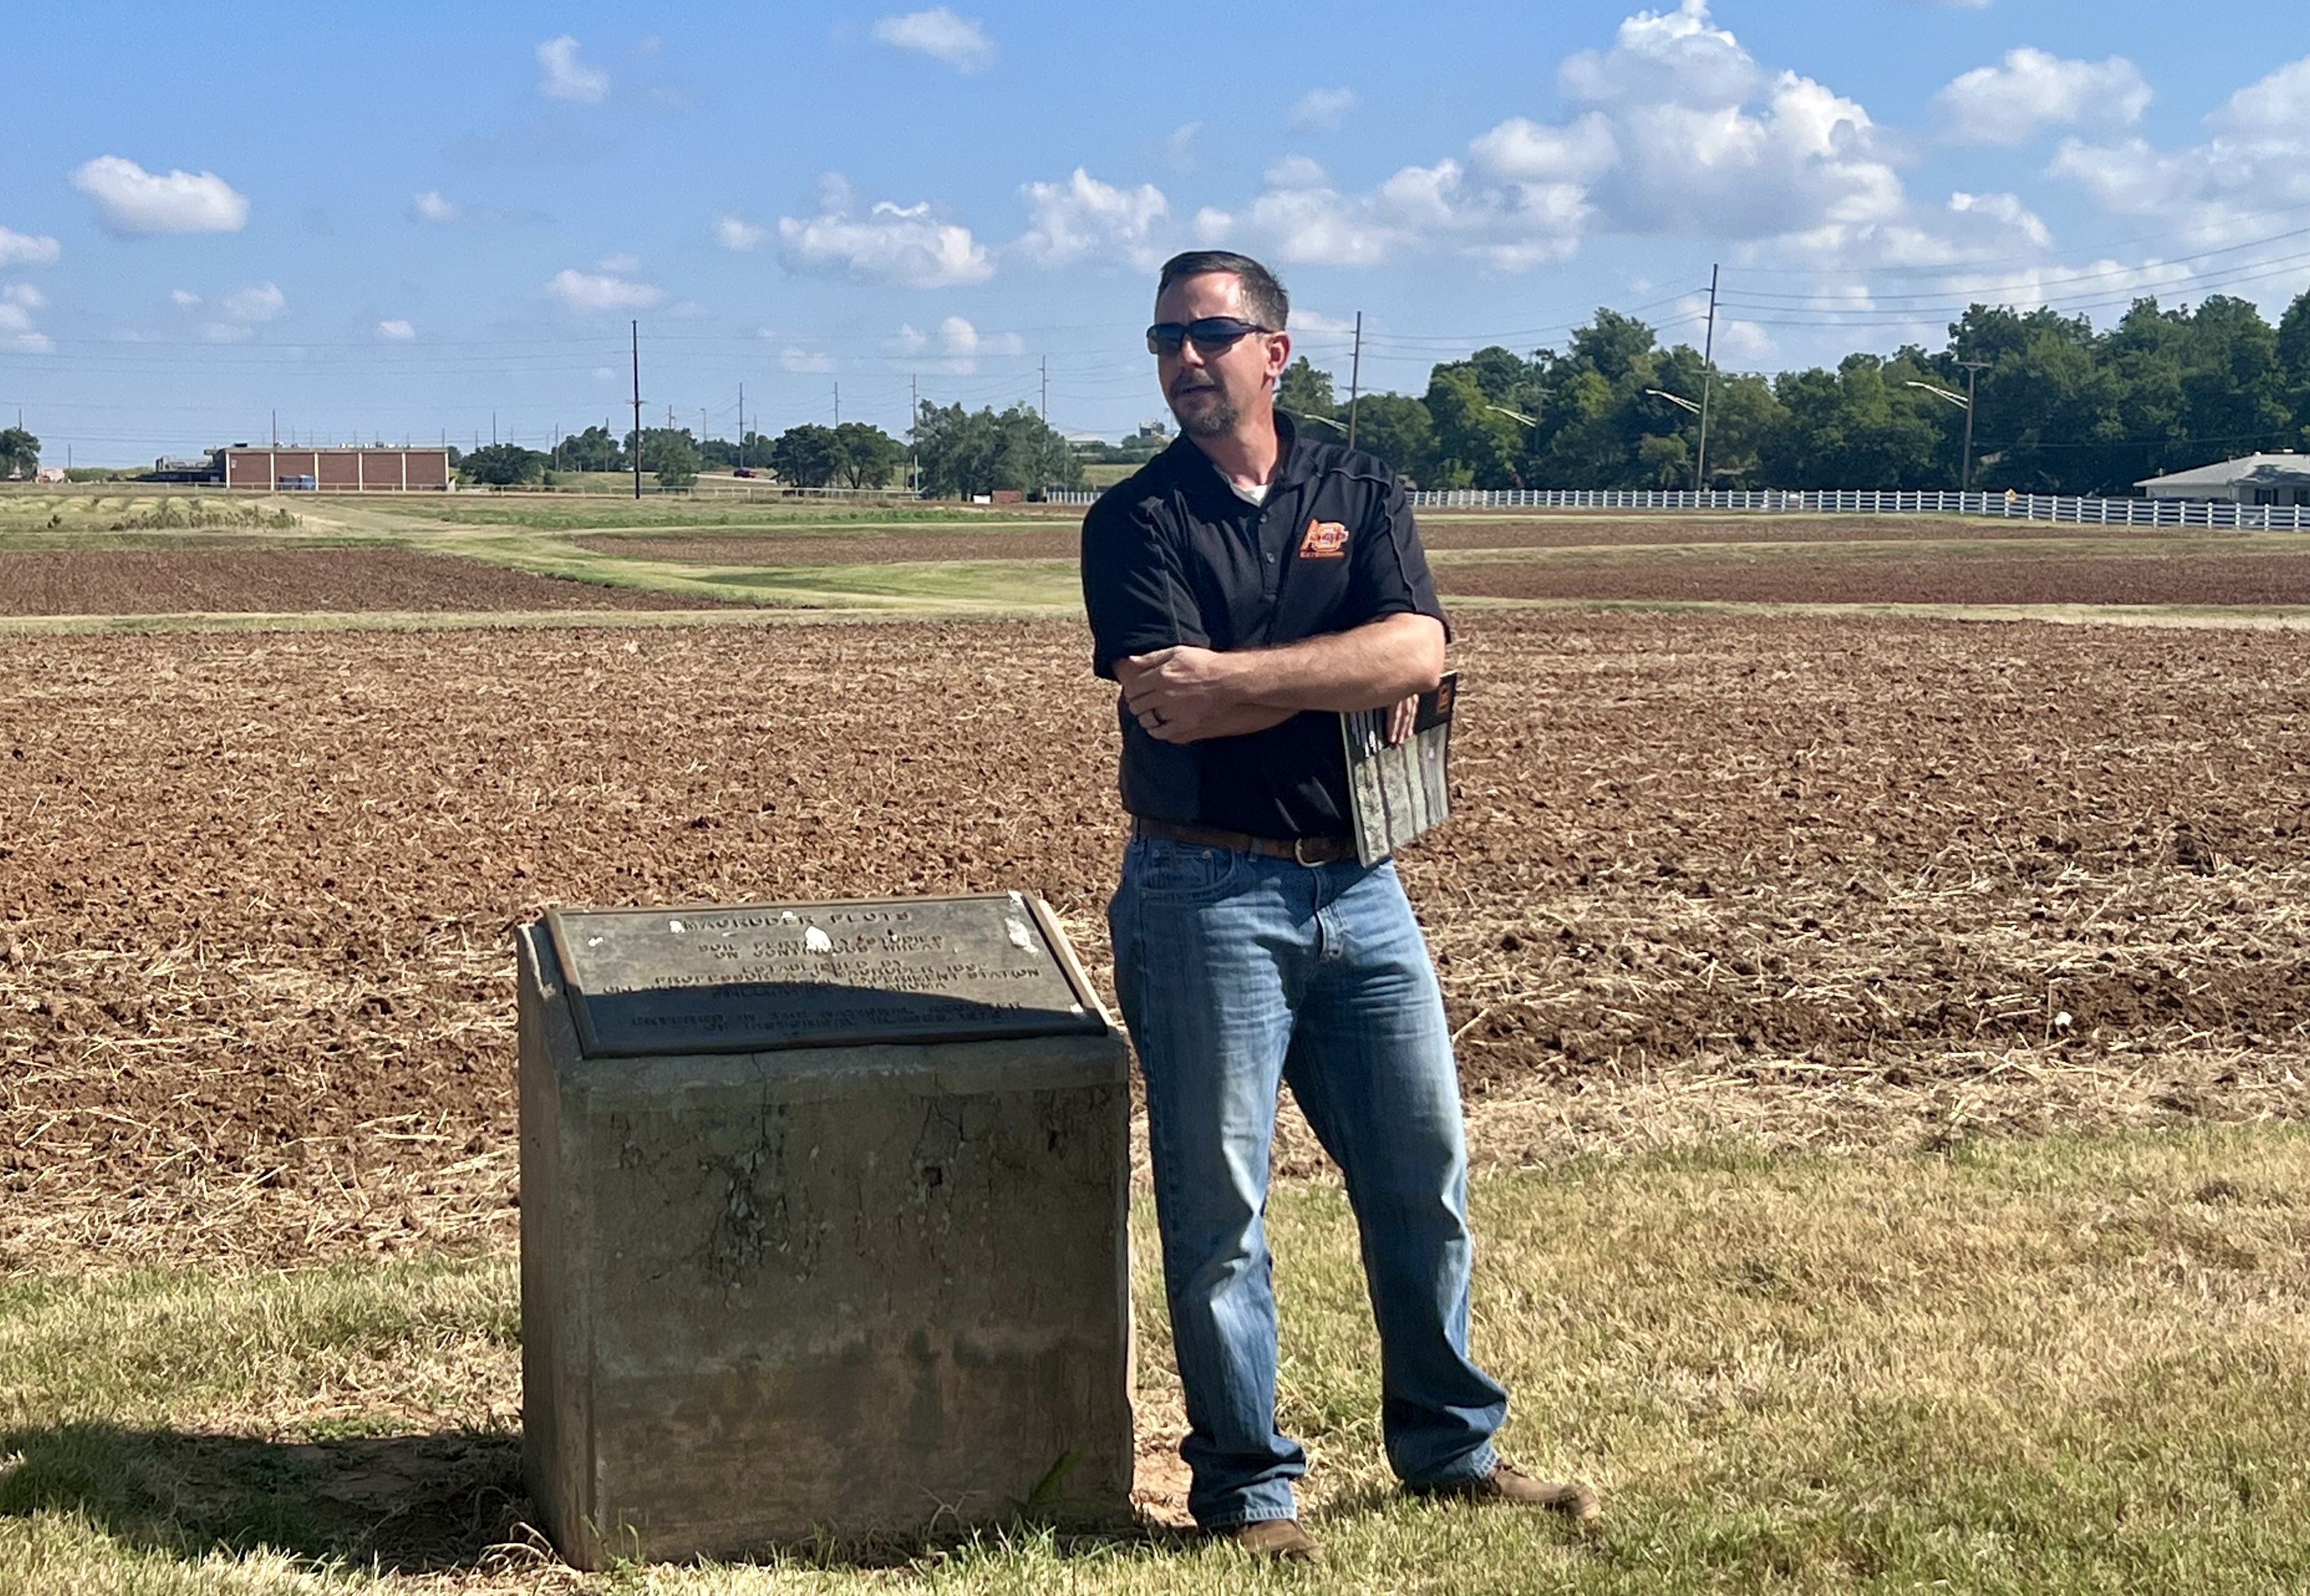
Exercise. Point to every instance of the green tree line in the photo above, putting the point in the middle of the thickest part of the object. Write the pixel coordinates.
(2060, 407)
(957, 453)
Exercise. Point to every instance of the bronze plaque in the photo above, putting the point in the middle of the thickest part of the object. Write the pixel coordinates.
(748, 978)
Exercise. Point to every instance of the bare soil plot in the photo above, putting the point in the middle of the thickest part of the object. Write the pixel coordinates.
(1941, 578)
(806, 548)
(1825, 882)
(289, 580)
(1438, 531)
(1451, 529)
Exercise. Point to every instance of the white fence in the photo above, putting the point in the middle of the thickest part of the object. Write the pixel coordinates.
(1853, 502)
(2019, 506)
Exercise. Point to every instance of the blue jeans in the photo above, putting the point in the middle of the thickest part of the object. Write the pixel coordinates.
(1238, 971)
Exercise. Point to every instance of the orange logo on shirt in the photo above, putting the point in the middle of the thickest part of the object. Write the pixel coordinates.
(1325, 540)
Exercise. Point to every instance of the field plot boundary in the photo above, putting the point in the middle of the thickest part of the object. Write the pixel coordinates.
(800, 612)
(791, 613)
(2221, 545)
(2273, 618)
(928, 588)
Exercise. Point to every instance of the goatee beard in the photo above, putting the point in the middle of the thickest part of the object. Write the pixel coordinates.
(1216, 422)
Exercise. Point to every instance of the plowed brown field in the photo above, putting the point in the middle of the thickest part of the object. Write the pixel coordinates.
(802, 548)
(2148, 578)
(1825, 883)
(288, 581)
(1447, 530)
(1438, 531)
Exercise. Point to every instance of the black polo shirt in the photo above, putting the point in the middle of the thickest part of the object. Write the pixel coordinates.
(1175, 555)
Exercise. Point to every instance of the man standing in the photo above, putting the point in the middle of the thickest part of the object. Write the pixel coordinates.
(1244, 589)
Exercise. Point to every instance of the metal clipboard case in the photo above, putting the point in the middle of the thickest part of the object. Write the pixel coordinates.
(1397, 793)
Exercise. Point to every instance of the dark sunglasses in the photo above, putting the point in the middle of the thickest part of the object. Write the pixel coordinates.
(1213, 334)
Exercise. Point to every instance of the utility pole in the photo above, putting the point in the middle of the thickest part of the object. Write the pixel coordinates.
(1355, 379)
(838, 405)
(638, 410)
(1046, 390)
(742, 426)
(276, 426)
(1973, 369)
(493, 428)
(913, 417)
(1708, 380)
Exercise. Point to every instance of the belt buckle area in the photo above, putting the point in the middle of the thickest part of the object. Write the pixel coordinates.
(1299, 857)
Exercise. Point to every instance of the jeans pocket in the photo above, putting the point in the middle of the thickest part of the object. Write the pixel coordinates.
(1180, 873)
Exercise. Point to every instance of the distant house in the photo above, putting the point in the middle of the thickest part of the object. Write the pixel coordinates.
(2250, 479)
(50, 473)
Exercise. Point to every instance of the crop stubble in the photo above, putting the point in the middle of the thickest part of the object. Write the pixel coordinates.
(1819, 882)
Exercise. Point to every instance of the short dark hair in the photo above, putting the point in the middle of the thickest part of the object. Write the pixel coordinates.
(1262, 294)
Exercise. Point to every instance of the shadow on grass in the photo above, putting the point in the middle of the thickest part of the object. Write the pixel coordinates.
(445, 1503)
(402, 1504)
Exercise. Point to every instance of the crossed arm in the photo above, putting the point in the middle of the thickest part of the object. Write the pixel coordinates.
(1188, 694)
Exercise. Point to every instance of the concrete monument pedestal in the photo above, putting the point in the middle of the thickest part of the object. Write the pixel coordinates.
(823, 1226)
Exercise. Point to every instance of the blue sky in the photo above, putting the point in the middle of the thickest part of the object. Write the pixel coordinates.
(405, 223)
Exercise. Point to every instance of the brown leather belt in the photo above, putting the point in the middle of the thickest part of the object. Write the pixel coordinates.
(1304, 850)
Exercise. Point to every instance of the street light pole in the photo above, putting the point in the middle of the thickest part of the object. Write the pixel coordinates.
(1972, 369)
(1708, 375)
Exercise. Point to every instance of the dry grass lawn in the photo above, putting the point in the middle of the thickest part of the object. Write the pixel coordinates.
(2041, 1366)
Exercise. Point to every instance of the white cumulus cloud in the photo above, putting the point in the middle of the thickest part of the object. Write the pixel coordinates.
(941, 35)
(438, 208)
(891, 243)
(588, 292)
(185, 299)
(561, 75)
(2255, 158)
(261, 303)
(1304, 220)
(1320, 109)
(1067, 220)
(2008, 103)
(130, 200)
(400, 332)
(27, 249)
(1676, 128)
(957, 345)
(807, 362)
(1179, 146)
(2276, 107)
(1969, 228)
(732, 233)
(18, 300)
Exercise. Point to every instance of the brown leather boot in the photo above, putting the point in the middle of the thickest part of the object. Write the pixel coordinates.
(1279, 1537)
(1510, 1486)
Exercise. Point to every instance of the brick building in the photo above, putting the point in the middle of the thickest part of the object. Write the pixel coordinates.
(273, 468)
